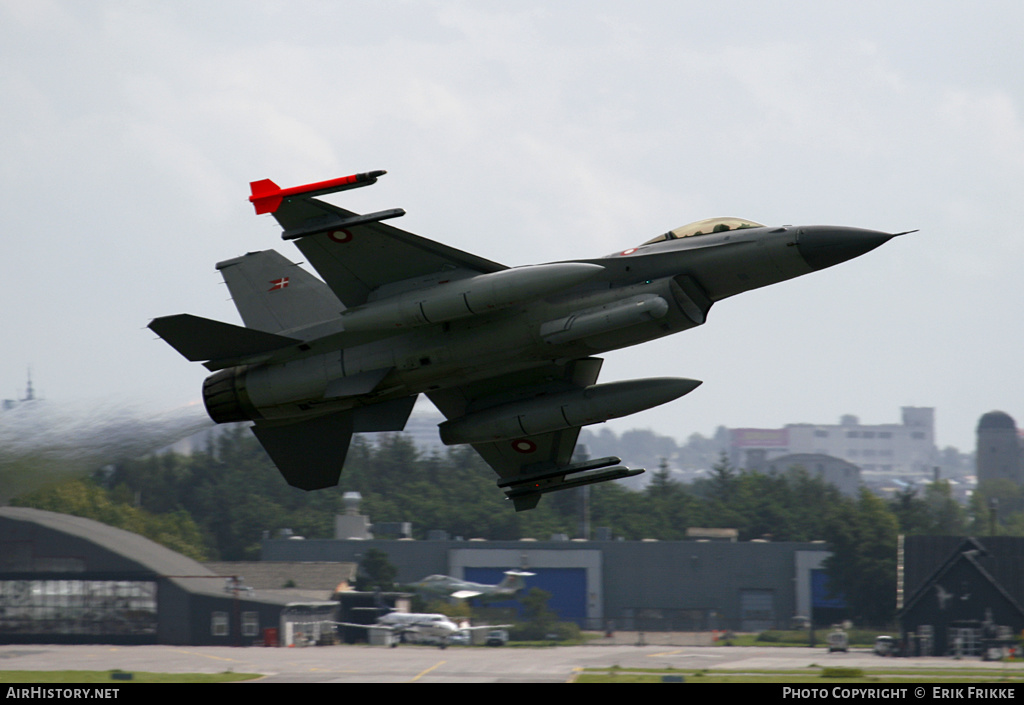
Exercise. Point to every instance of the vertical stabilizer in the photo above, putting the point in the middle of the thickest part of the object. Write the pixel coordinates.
(273, 294)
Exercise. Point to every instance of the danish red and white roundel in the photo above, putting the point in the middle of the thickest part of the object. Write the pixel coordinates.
(523, 445)
(340, 236)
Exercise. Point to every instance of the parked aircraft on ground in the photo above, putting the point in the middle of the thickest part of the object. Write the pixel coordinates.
(413, 626)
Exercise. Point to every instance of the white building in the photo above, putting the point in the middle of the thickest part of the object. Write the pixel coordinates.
(905, 451)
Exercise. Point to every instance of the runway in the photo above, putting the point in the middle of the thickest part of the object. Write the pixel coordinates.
(420, 664)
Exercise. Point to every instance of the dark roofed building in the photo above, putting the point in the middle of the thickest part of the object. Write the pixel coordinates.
(65, 579)
(295, 581)
(959, 591)
(845, 476)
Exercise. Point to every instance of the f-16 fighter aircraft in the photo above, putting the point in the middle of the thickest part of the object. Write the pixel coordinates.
(447, 586)
(506, 354)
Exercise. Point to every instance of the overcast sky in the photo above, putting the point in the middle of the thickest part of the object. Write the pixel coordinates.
(531, 132)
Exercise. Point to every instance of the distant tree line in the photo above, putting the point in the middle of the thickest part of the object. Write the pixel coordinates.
(218, 504)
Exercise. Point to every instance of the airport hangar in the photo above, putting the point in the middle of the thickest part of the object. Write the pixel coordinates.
(69, 580)
(66, 579)
(692, 585)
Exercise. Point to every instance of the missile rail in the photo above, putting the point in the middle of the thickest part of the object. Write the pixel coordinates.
(525, 490)
(339, 223)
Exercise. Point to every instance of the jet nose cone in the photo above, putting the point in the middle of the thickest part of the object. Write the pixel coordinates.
(824, 245)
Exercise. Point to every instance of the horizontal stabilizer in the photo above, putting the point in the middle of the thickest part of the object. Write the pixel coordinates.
(310, 454)
(203, 339)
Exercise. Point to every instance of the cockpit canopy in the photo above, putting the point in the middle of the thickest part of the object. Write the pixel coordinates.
(706, 227)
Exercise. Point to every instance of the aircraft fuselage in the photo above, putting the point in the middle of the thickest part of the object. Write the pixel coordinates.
(638, 295)
(508, 355)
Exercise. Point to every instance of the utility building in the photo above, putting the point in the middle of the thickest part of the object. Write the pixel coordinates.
(632, 585)
(65, 579)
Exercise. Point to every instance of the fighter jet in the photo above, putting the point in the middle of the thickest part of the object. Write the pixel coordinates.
(507, 354)
(447, 586)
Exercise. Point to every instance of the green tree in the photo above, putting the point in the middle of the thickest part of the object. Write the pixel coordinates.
(375, 572)
(624, 511)
(862, 536)
(669, 507)
(911, 512)
(934, 513)
(85, 498)
(997, 506)
(947, 515)
(723, 497)
(540, 619)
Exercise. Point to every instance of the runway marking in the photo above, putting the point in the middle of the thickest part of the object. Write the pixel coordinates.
(423, 673)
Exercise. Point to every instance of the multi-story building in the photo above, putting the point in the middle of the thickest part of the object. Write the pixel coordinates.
(883, 451)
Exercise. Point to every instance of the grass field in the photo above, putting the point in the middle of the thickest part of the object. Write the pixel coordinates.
(819, 676)
(613, 674)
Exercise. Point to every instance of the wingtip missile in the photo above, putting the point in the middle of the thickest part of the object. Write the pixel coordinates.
(267, 196)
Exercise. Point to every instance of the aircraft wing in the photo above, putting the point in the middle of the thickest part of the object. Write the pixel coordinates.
(356, 254)
(465, 594)
(530, 466)
(386, 627)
